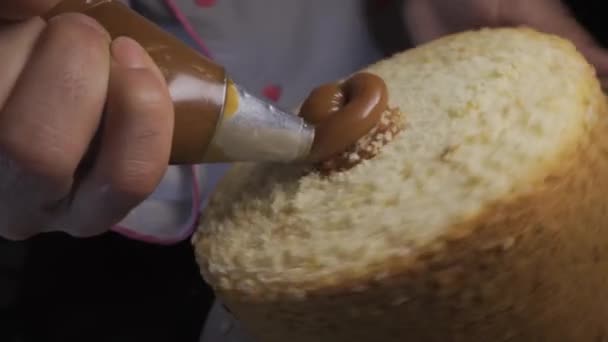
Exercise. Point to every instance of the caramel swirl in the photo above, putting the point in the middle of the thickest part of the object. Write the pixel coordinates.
(343, 113)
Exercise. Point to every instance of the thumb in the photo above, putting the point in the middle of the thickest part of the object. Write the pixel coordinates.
(23, 9)
(552, 16)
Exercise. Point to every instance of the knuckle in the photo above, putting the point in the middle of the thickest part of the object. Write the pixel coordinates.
(51, 165)
(136, 180)
(84, 54)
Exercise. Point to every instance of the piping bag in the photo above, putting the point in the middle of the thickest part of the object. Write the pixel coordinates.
(216, 120)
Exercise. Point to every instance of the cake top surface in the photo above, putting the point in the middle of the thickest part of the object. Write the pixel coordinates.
(485, 114)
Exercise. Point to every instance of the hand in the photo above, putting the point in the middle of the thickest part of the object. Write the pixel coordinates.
(430, 19)
(57, 78)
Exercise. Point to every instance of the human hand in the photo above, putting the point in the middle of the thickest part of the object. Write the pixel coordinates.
(57, 78)
(430, 19)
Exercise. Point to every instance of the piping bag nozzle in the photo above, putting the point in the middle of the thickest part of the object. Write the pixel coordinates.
(251, 129)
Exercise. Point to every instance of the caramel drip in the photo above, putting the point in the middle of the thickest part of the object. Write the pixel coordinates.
(343, 113)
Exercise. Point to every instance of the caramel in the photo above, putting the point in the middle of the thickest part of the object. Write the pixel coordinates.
(343, 113)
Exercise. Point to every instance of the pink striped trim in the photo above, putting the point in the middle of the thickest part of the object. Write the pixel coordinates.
(189, 228)
(196, 195)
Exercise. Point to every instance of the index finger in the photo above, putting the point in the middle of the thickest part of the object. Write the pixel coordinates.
(23, 9)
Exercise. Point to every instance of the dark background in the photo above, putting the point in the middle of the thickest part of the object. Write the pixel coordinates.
(592, 14)
(103, 289)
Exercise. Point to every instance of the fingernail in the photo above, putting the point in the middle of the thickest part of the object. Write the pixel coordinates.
(128, 53)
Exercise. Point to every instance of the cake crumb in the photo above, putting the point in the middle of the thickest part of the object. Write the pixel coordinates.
(390, 125)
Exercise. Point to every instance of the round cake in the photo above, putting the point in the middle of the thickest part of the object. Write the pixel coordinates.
(481, 216)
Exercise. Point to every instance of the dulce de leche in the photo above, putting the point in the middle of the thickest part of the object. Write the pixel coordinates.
(343, 112)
